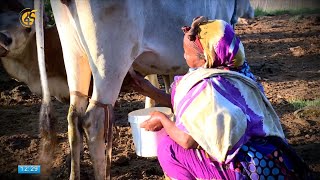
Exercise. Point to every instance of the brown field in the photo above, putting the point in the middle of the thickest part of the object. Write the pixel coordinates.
(284, 51)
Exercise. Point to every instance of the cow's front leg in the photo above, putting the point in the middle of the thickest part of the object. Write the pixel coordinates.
(77, 109)
(98, 129)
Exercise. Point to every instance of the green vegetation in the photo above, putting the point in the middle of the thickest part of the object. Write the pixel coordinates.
(49, 14)
(298, 104)
(260, 12)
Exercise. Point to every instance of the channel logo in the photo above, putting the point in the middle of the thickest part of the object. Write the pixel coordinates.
(27, 17)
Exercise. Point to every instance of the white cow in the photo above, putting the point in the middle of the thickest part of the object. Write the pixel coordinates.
(104, 39)
(18, 52)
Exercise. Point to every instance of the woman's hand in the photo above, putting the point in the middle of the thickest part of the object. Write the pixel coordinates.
(145, 88)
(154, 122)
(140, 84)
(158, 120)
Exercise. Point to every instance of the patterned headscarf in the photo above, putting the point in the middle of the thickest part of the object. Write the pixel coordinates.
(216, 42)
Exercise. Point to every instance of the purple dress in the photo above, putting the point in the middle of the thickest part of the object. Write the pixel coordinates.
(257, 158)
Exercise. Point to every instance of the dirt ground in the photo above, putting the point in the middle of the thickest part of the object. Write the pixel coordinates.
(283, 51)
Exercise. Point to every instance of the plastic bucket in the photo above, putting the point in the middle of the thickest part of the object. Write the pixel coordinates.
(146, 142)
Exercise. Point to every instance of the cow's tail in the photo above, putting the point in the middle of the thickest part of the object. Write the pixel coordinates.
(47, 120)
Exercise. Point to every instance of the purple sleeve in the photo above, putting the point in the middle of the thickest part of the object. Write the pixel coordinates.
(173, 87)
(173, 91)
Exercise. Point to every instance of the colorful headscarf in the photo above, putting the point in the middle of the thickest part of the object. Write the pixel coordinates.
(217, 42)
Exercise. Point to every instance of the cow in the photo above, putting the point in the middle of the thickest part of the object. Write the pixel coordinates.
(21, 63)
(242, 9)
(20, 58)
(24, 66)
(104, 39)
(18, 52)
(19, 55)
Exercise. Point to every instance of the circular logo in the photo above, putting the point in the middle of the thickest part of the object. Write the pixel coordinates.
(27, 17)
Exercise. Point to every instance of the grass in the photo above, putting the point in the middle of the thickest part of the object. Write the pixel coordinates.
(260, 12)
(298, 104)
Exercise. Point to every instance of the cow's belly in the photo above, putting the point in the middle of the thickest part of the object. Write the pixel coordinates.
(150, 62)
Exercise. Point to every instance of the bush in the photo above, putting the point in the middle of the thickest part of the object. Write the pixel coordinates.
(48, 10)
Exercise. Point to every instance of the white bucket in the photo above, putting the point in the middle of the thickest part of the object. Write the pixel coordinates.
(146, 142)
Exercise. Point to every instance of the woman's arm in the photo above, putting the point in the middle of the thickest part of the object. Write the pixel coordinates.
(158, 95)
(159, 120)
(145, 88)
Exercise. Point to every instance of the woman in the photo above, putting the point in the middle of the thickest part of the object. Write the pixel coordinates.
(225, 127)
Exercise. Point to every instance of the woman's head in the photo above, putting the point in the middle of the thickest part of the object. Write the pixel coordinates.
(193, 53)
(211, 44)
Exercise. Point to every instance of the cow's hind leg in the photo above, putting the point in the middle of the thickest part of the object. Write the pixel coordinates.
(98, 129)
(167, 79)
